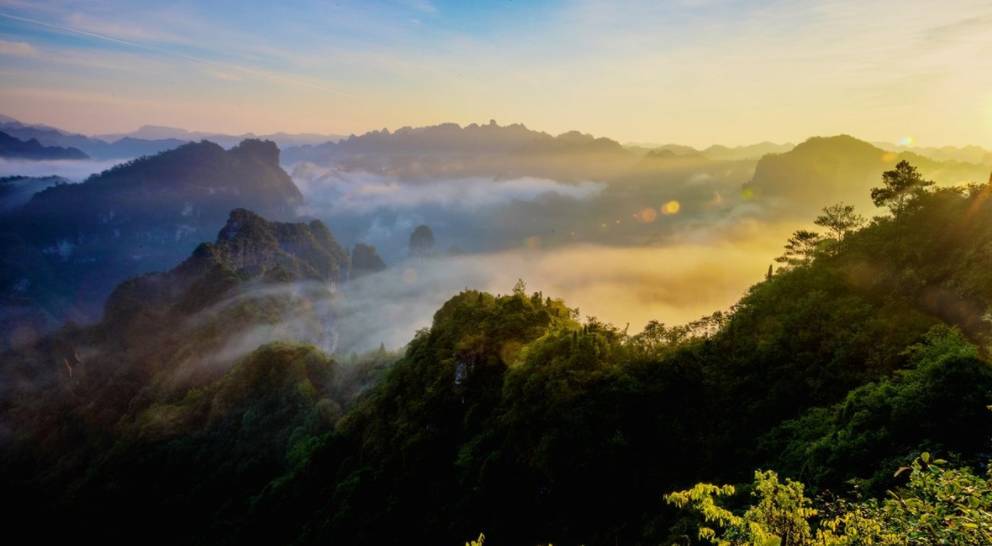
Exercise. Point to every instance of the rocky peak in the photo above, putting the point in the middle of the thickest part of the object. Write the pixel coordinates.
(365, 260)
(248, 248)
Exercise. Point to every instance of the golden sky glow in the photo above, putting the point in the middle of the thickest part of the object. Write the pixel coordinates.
(692, 71)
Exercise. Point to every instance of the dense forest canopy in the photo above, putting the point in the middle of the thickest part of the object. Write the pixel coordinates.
(862, 351)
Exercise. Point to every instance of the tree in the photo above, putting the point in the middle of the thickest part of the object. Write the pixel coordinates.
(900, 187)
(801, 248)
(520, 288)
(839, 219)
(936, 506)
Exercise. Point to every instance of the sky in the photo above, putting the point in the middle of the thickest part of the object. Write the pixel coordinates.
(690, 71)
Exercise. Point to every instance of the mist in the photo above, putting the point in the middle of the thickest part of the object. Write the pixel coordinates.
(621, 285)
(73, 170)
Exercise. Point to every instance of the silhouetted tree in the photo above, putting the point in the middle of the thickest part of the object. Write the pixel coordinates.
(899, 187)
(800, 248)
(839, 219)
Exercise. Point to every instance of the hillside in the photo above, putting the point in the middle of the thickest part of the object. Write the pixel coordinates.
(145, 215)
(179, 394)
(509, 415)
(535, 428)
(15, 191)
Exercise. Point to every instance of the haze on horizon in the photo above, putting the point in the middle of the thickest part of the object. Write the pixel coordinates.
(692, 71)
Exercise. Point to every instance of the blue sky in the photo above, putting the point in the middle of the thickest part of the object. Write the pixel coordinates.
(694, 71)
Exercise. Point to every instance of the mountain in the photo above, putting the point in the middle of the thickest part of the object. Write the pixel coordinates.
(252, 281)
(283, 140)
(177, 356)
(823, 170)
(450, 150)
(136, 217)
(715, 152)
(508, 416)
(365, 260)
(123, 148)
(751, 151)
(247, 248)
(963, 154)
(14, 148)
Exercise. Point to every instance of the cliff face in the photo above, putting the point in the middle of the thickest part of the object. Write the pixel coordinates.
(248, 249)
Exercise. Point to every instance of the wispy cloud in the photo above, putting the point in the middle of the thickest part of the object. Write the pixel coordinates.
(17, 49)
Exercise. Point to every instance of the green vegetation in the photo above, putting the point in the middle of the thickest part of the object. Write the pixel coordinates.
(935, 506)
(863, 353)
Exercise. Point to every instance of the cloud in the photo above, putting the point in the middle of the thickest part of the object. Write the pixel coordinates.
(336, 191)
(75, 170)
(17, 49)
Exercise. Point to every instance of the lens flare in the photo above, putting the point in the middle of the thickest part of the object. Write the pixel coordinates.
(906, 141)
(646, 215)
(671, 207)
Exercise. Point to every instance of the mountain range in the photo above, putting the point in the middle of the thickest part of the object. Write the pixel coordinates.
(158, 132)
(15, 148)
(147, 140)
(508, 416)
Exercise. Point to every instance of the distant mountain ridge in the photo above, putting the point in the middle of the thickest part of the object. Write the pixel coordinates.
(14, 148)
(451, 138)
(158, 132)
(123, 148)
(824, 170)
(717, 152)
(147, 139)
(451, 150)
(963, 154)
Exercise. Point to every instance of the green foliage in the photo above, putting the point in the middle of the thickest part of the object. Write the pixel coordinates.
(900, 187)
(801, 248)
(510, 415)
(936, 506)
(938, 401)
(839, 220)
(780, 515)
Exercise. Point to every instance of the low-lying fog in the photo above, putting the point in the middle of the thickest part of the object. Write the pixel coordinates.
(621, 285)
(671, 251)
(75, 170)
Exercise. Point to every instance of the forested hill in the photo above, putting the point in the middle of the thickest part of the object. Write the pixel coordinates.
(66, 248)
(514, 417)
(511, 417)
(172, 394)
